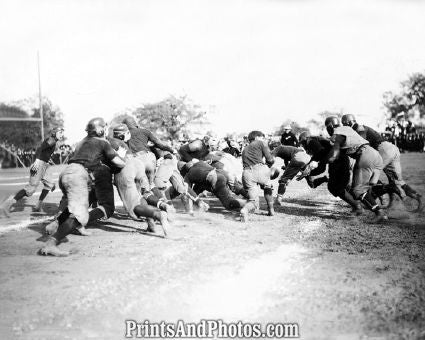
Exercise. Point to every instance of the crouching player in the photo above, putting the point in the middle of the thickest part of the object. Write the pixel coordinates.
(86, 168)
(131, 180)
(204, 177)
(168, 173)
(368, 164)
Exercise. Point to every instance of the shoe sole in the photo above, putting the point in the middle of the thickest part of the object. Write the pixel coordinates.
(244, 217)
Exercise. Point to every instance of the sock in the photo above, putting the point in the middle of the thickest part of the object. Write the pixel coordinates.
(21, 193)
(96, 214)
(66, 228)
(43, 194)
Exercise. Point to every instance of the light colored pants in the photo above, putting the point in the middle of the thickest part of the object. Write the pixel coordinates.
(149, 160)
(74, 182)
(391, 160)
(366, 171)
(258, 174)
(298, 162)
(167, 174)
(43, 176)
(129, 182)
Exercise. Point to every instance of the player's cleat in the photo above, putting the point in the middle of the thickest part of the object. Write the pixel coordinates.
(279, 200)
(6, 206)
(51, 249)
(358, 209)
(52, 227)
(380, 217)
(244, 215)
(171, 211)
(164, 222)
(188, 204)
(83, 231)
(151, 225)
(270, 212)
(38, 207)
(203, 206)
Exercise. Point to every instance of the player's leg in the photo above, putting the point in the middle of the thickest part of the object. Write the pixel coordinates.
(104, 191)
(339, 182)
(365, 175)
(27, 191)
(74, 180)
(48, 186)
(225, 196)
(297, 163)
(250, 185)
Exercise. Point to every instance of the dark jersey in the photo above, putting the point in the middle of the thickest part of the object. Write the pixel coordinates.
(116, 144)
(198, 172)
(92, 152)
(198, 175)
(46, 149)
(140, 138)
(254, 152)
(373, 137)
(289, 139)
(195, 149)
(285, 152)
(233, 151)
(318, 148)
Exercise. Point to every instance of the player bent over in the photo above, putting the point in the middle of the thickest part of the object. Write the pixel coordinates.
(131, 180)
(168, 173)
(203, 176)
(368, 164)
(138, 145)
(38, 173)
(85, 167)
(296, 159)
(339, 171)
(232, 167)
(390, 156)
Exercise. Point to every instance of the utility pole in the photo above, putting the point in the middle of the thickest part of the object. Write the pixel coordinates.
(40, 98)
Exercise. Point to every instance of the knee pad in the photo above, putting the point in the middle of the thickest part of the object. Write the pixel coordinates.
(30, 190)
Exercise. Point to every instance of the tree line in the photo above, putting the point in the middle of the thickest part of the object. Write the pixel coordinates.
(174, 117)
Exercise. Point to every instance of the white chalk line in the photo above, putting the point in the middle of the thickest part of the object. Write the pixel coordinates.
(24, 224)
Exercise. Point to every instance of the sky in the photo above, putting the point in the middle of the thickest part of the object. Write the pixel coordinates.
(251, 64)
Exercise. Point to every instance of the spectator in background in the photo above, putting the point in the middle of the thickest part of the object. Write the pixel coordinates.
(288, 137)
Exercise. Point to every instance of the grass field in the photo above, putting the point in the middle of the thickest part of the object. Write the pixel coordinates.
(337, 276)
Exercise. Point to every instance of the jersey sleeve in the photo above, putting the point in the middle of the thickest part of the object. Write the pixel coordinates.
(267, 154)
(157, 142)
(109, 152)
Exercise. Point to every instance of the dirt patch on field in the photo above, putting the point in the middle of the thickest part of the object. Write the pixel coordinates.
(337, 276)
